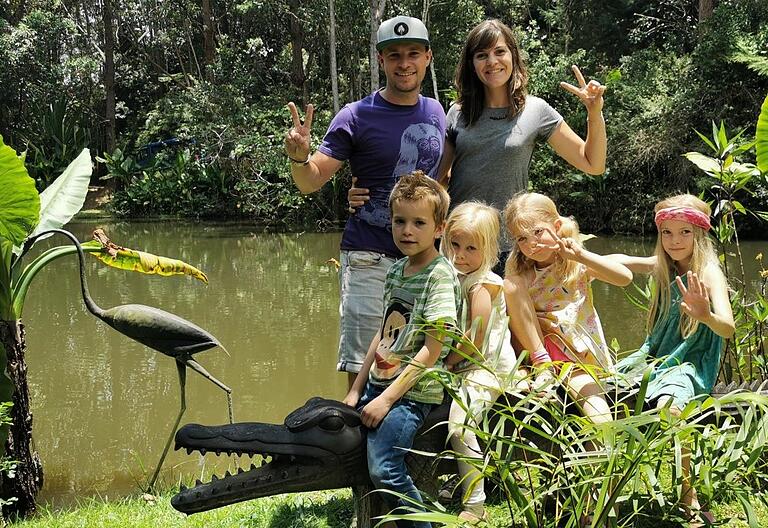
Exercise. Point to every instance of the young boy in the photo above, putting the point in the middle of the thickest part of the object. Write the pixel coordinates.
(421, 296)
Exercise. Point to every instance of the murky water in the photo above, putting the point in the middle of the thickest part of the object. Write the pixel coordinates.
(103, 404)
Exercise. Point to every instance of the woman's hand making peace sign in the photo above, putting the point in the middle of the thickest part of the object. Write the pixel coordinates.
(591, 94)
(298, 138)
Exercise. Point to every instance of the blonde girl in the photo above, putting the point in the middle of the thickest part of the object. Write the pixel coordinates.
(690, 314)
(470, 241)
(549, 298)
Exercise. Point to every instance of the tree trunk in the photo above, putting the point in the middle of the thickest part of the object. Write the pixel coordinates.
(705, 9)
(332, 44)
(209, 44)
(425, 19)
(298, 78)
(28, 478)
(109, 74)
(377, 11)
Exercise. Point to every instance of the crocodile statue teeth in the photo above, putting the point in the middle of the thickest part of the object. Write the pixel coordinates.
(320, 446)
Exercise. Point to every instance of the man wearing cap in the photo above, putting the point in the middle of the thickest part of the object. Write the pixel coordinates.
(391, 132)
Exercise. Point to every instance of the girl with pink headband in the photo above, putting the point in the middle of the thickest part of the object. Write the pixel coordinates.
(689, 318)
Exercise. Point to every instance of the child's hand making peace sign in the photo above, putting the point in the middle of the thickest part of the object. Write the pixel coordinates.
(567, 247)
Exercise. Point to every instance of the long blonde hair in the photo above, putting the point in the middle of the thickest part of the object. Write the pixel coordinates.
(703, 255)
(521, 213)
(479, 220)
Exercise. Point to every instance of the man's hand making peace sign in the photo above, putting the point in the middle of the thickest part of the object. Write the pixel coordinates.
(299, 137)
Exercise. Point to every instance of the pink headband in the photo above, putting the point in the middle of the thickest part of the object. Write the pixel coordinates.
(684, 214)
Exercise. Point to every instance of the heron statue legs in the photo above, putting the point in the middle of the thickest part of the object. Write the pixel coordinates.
(181, 367)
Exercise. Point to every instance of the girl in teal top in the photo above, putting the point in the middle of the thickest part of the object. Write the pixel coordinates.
(689, 317)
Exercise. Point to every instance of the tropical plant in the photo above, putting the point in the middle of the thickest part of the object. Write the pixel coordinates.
(761, 138)
(729, 182)
(555, 468)
(25, 218)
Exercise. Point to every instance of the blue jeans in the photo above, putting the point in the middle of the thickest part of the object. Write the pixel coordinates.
(387, 448)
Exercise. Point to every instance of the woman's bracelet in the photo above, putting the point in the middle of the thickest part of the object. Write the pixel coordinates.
(299, 162)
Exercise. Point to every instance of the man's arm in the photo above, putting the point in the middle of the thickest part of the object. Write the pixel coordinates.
(309, 173)
(316, 173)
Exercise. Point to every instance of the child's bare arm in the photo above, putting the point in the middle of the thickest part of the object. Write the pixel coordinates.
(599, 266)
(480, 306)
(635, 263)
(377, 409)
(706, 300)
(603, 268)
(356, 391)
(523, 324)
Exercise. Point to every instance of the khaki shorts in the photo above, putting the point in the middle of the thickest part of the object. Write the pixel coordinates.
(361, 282)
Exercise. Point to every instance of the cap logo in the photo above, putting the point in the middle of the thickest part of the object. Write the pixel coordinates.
(401, 29)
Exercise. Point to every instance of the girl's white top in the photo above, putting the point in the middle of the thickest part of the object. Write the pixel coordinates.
(497, 352)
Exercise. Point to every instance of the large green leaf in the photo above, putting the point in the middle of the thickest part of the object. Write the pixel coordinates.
(705, 163)
(761, 138)
(66, 195)
(19, 201)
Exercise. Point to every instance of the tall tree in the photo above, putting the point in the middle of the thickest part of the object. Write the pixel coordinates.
(108, 13)
(425, 19)
(298, 76)
(377, 11)
(332, 45)
(209, 44)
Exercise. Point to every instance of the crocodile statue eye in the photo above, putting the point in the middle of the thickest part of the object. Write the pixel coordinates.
(332, 423)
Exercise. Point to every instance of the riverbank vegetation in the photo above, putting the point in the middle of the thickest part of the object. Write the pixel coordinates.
(211, 79)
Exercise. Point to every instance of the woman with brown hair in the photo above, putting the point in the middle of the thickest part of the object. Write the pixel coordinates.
(494, 125)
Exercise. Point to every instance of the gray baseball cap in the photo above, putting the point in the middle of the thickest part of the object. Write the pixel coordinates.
(401, 29)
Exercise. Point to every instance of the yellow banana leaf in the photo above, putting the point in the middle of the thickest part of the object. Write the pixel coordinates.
(133, 260)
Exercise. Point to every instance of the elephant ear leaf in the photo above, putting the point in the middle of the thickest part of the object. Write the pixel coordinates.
(62, 199)
(761, 138)
(133, 260)
(19, 201)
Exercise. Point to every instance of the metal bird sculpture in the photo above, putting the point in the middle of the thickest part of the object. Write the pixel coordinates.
(165, 332)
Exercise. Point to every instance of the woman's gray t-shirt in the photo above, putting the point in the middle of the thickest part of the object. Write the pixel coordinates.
(492, 157)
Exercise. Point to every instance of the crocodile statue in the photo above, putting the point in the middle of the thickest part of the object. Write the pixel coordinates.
(319, 446)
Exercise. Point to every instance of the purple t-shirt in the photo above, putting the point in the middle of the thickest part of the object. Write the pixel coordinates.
(383, 141)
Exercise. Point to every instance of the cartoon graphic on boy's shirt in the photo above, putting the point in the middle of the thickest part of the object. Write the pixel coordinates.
(388, 364)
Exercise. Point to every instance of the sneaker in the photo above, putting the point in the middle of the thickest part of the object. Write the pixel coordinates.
(450, 491)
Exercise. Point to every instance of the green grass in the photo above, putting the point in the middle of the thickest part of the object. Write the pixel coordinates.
(324, 509)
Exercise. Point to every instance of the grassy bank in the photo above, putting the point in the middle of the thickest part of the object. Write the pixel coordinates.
(305, 510)
(327, 509)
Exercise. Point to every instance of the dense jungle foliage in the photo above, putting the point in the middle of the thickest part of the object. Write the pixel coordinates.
(120, 76)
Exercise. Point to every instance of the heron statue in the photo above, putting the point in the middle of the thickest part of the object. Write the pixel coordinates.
(165, 332)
